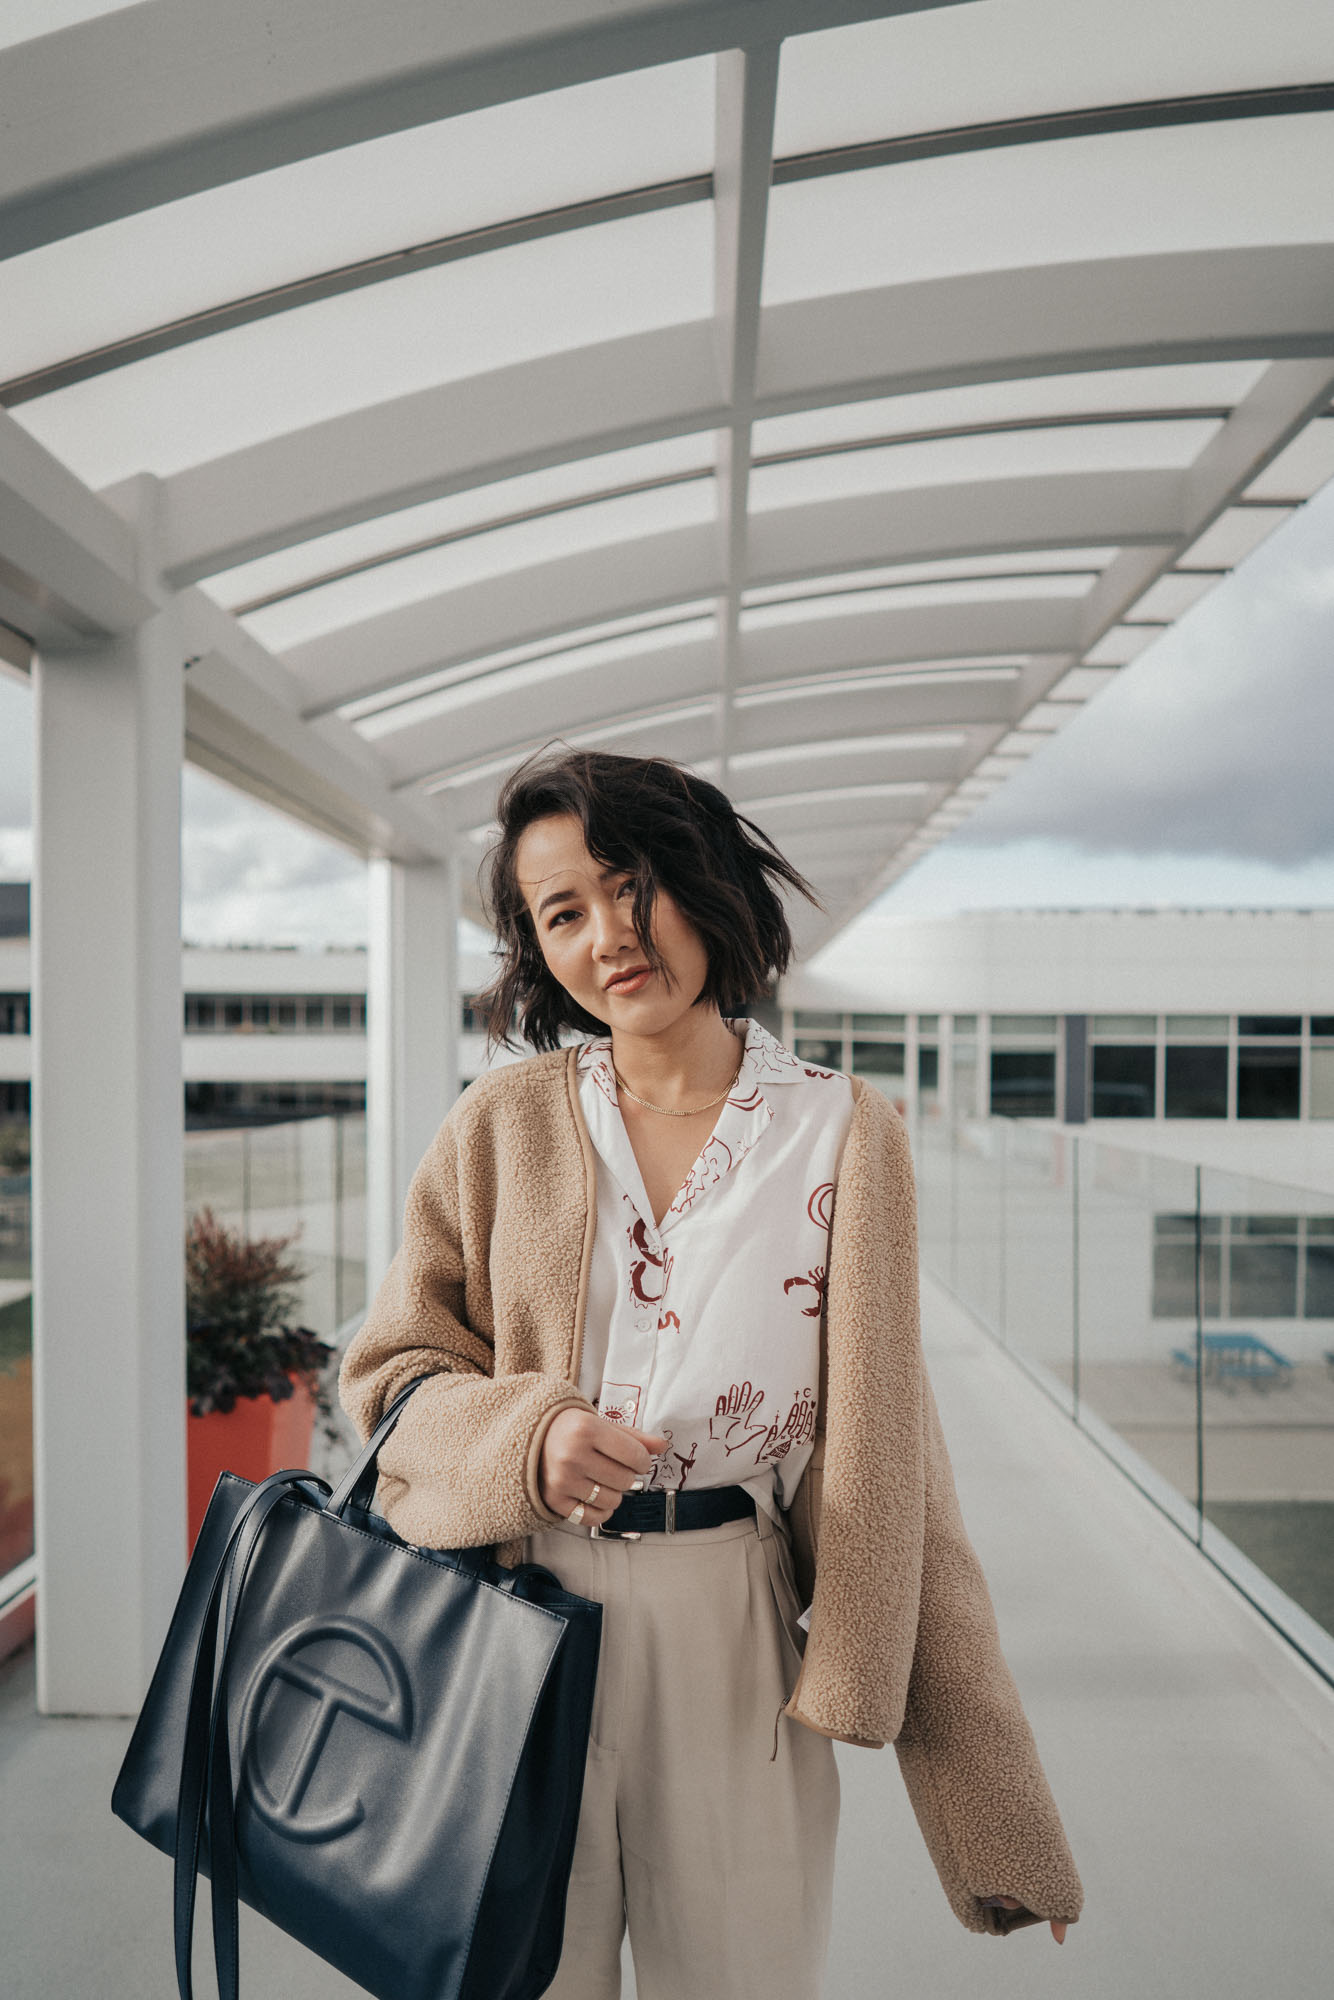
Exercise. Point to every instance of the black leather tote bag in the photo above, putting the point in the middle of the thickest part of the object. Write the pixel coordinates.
(379, 1747)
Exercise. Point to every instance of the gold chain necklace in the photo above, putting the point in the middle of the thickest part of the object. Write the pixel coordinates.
(662, 1107)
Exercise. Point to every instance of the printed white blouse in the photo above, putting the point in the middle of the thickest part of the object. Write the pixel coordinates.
(706, 1329)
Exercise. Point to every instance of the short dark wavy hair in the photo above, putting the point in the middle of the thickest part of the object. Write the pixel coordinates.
(667, 827)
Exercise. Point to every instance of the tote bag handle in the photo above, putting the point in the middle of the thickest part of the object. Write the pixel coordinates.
(206, 1772)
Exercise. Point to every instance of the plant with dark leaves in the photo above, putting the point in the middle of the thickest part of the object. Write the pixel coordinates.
(240, 1296)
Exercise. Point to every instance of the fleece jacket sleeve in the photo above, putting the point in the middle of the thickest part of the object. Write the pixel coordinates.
(460, 1468)
(966, 1751)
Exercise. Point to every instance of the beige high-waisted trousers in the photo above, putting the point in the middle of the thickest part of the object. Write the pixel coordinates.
(718, 1855)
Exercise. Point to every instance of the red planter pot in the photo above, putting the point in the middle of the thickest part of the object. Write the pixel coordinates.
(255, 1438)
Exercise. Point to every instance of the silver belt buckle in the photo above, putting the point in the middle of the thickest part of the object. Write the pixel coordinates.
(671, 1510)
(601, 1531)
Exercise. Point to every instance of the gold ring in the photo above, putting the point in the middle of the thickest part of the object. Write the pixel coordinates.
(578, 1513)
(594, 1494)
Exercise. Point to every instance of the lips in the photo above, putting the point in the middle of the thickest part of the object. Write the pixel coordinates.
(624, 980)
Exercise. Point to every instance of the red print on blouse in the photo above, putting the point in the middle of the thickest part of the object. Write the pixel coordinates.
(642, 1259)
(817, 1280)
(660, 1465)
(798, 1425)
(820, 1207)
(619, 1402)
(731, 1425)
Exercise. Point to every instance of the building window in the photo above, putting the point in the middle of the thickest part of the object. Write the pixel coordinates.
(883, 1024)
(878, 1059)
(1269, 1024)
(1125, 1080)
(1319, 1290)
(1023, 1081)
(1174, 1266)
(1124, 1024)
(1269, 1080)
(15, 1014)
(803, 1017)
(1262, 1267)
(1023, 1024)
(314, 1016)
(1252, 1267)
(1195, 1082)
(829, 1055)
(222, 1104)
(928, 1070)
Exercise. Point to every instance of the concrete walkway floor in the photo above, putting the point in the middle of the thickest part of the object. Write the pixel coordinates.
(1190, 1752)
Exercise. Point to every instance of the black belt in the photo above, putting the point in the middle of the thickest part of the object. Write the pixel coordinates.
(664, 1510)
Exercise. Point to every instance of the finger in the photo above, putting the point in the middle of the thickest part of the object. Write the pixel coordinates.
(625, 1447)
(609, 1472)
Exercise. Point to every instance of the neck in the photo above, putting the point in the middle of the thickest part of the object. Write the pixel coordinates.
(694, 1058)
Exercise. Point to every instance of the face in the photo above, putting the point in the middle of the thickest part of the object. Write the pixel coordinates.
(584, 925)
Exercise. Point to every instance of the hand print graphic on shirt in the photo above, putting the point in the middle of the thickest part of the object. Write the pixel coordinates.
(730, 1425)
(797, 1427)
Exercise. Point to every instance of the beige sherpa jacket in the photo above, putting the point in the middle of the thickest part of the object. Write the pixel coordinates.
(489, 1289)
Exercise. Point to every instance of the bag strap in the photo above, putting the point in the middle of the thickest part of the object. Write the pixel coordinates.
(357, 1486)
(206, 1761)
(207, 1780)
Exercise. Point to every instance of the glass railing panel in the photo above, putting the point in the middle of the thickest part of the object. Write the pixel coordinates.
(1039, 1252)
(1135, 1312)
(16, 1496)
(305, 1178)
(1268, 1384)
(979, 1200)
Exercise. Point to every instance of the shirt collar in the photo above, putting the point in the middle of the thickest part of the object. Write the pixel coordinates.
(764, 1061)
(745, 1116)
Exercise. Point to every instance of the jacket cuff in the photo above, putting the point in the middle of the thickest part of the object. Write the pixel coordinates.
(534, 1457)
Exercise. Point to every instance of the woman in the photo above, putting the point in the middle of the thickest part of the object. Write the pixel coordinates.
(666, 1275)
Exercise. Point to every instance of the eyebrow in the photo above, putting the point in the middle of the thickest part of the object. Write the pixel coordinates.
(571, 895)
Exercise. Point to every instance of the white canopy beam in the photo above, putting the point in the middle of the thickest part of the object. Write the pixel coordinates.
(412, 1036)
(108, 1284)
(747, 96)
(181, 102)
(243, 722)
(1251, 303)
(1057, 510)
(68, 568)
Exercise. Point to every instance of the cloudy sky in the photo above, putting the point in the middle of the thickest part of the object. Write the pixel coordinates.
(1202, 775)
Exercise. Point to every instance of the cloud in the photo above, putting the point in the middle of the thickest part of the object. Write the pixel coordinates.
(1217, 740)
(250, 875)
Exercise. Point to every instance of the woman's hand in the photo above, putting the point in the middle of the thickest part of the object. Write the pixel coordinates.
(581, 1450)
(1058, 1925)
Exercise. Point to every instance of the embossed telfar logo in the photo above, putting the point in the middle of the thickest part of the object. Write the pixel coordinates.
(329, 1697)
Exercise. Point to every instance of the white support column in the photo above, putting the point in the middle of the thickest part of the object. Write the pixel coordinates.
(412, 1027)
(108, 1262)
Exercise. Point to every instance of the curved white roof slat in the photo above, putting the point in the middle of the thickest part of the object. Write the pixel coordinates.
(1113, 312)
(821, 320)
(687, 564)
(859, 84)
(543, 602)
(1250, 304)
(254, 90)
(474, 719)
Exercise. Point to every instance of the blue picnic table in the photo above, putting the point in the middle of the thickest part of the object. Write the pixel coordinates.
(1237, 1357)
